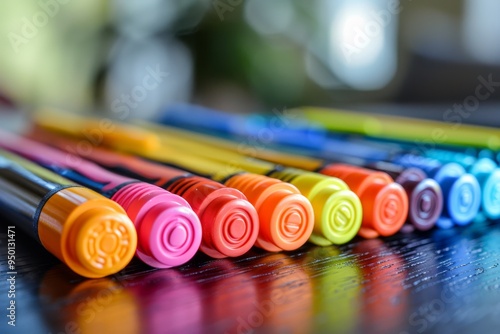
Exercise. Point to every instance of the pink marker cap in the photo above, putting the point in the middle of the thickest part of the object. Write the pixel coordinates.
(169, 232)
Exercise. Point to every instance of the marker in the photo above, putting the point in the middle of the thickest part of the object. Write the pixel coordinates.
(403, 128)
(169, 232)
(385, 203)
(230, 223)
(424, 194)
(91, 234)
(286, 218)
(337, 210)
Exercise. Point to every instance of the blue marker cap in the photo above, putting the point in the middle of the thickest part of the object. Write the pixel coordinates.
(461, 192)
(488, 176)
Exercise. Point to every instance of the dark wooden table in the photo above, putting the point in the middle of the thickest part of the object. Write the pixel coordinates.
(444, 281)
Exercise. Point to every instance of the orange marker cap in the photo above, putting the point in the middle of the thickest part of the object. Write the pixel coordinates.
(230, 223)
(286, 217)
(385, 203)
(337, 210)
(87, 231)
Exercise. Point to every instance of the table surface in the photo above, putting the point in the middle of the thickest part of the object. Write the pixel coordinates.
(443, 281)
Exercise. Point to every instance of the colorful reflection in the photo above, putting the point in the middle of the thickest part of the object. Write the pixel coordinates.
(168, 301)
(385, 299)
(230, 298)
(285, 295)
(336, 281)
(73, 305)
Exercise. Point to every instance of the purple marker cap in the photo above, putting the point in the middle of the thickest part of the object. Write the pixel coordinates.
(426, 202)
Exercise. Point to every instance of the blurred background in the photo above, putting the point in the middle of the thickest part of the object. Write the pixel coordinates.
(131, 58)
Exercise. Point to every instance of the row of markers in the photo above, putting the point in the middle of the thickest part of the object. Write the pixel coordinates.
(95, 193)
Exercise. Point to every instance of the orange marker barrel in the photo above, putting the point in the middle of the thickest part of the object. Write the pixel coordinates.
(385, 203)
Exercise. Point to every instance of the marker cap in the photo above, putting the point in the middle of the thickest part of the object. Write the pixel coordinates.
(230, 223)
(461, 193)
(488, 176)
(337, 210)
(425, 202)
(87, 231)
(490, 186)
(462, 198)
(169, 232)
(385, 209)
(286, 217)
(385, 203)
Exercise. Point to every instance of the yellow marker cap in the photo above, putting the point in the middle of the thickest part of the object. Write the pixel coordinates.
(337, 210)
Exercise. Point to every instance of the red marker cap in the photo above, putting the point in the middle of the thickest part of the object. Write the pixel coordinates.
(230, 223)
